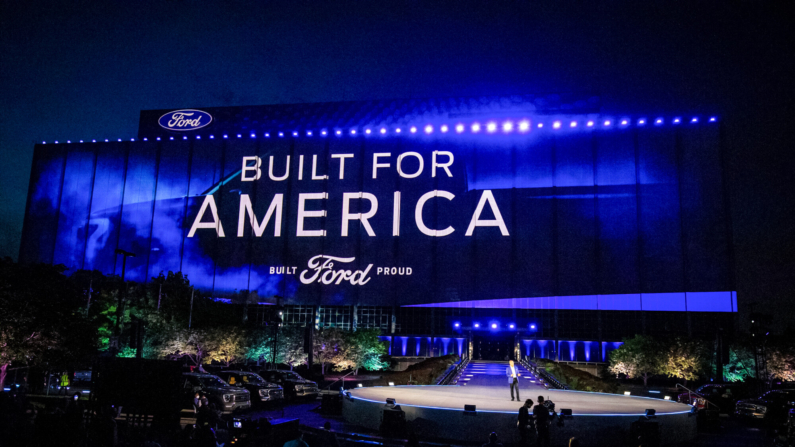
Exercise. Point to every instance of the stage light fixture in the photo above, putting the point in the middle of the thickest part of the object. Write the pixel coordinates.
(512, 326)
(607, 122)
(532, 326)
(494, 325)
(413, 129)
(238, 135)
(507, 126)
(624, 122)
(573, 124)
(658, 121)
(589, 124)
(456, 325)
(353, 131)
(556, 125)
(225, 137)
(641, 122)
(444, 128)
(491, 127)
(339, 132)
(267, 135)
(358, 385)
(476, 128)
(281, 134)
(212, 137)
(712, 119)
(459, 128)
(397, 130)
(524, 126)
(627, 393)
(391, 383)
(428, 129)
(540, 125)
(677, 120)
(477, 325)
(694, 120)
(367, 131)
(667, 397)
(323, 133)
(383, 130)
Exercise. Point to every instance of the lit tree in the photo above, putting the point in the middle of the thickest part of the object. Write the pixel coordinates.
(326, 347)
(362, 349)
(781, 363)
(228, 345)
(41, 312)
(195, 344)
(291, 347)
(684, 358)
(637, 357)
(259, 344)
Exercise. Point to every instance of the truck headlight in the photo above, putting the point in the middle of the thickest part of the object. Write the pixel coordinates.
(228, 397)
(263, 392)
(299, 387)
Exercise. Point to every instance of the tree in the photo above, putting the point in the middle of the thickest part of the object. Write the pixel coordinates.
(228, 345)
(195, 344)
(291, 347)
(42, 314)
(781, 363)
(362, 349)
(637, 357)
(259, 344)
(683, 358)
(326, 347)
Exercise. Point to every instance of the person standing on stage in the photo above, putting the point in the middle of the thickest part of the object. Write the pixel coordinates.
(513, 379)
(541, 415)
(524, 422)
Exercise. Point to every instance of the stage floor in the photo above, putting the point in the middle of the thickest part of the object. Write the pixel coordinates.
(487, 388)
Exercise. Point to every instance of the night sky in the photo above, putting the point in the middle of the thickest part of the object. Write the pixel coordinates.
(84, 69)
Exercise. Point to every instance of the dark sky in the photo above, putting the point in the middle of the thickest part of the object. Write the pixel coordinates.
(84, 69)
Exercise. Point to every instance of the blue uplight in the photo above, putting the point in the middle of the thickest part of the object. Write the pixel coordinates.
(476, 325)
(212, 137)
(642, 122)
(267, 135)
(624, 122)
(694, 120)
(339, 132)
(589, 123)
(281, 134)
(397, 130)
(658, 122)
(383, 130)
(225, 136)
(475, 127)
(239, 136)
(540, 125)
(677, 120)
(428, 129)
(491, 127)
(309, 133)
(353, 131)
(507, 126)
(253, 135)
(413, 129)
(524, 126)
(494, 325)
(713, 119)
(456, 325)
(573, 124)
(367, 131)
(323, 132)
(459, 128)
(556, 125)
(512, 326)
(607, 122)
(444, 128)
(295, 134)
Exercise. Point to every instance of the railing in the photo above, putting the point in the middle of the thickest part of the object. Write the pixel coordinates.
(453, 372)
(690, 394)
(544, 374)
(341, 378)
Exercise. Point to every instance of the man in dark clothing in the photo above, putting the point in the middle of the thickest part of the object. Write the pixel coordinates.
(541, 415)
(524, 422)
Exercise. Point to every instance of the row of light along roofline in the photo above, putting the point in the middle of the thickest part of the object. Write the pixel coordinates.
(489, 127)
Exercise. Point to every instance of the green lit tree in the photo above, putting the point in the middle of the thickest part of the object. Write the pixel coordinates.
(259, 344)
(638, 357)
(362, 349)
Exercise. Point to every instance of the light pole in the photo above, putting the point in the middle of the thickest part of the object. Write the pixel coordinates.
(277, 320)
(114, 345)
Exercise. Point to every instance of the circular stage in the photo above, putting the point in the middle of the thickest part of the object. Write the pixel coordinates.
(438, 412)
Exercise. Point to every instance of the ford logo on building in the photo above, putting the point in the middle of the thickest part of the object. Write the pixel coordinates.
(183, 120)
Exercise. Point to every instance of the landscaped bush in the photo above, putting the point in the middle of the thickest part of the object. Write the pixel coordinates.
(576, 379)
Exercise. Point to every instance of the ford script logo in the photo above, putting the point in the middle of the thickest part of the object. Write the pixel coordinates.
(183, 120)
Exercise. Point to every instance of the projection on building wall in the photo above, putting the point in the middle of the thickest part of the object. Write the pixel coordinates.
(494, 214)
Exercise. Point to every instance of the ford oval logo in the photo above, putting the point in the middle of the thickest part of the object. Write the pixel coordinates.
(183, 120)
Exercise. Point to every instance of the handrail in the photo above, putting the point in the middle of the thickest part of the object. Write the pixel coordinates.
(454, 369)
(545, 374)
(691, 392)
(341, 378)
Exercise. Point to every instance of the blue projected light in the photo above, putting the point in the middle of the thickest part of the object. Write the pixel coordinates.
(428, 129)
(444, 128)
(459, 128)
(524, 126)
